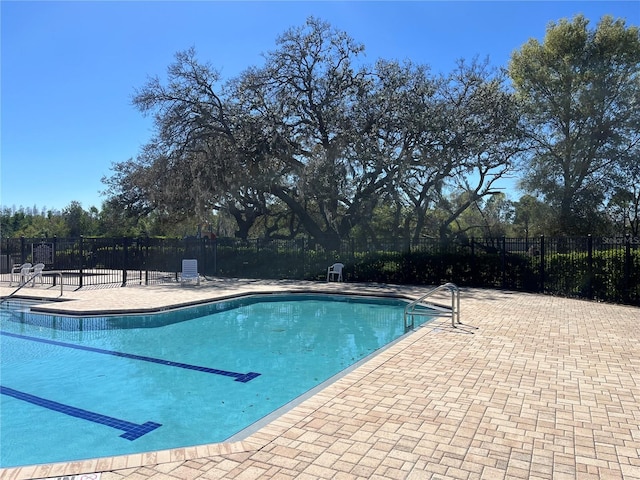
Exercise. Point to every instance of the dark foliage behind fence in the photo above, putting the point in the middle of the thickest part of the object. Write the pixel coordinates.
(606, 269)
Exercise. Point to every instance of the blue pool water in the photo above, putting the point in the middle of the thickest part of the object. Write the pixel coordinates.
(74, 388)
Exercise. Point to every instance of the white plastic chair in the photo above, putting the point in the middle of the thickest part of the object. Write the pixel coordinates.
(335, 272)
(36, 273)
(21, 272)
(190, 271)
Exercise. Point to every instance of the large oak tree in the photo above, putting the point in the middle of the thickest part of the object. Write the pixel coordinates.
(316, 142)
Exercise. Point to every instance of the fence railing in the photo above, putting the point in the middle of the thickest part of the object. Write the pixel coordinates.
(599, 268)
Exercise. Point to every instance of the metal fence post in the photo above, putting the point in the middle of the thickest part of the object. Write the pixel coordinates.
(23, 249)
(55, 256)
(504, 262)
(125, 260)
(215, 256)
(81, 254)
(204, 241)
(145, 259)
(589, 267)
(7, 255)
(542, 257)
(627, 268)
(473, 260)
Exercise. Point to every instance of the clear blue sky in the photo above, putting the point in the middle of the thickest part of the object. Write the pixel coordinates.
(69, 69)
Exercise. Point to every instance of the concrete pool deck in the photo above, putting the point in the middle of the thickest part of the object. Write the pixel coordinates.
(544, 388)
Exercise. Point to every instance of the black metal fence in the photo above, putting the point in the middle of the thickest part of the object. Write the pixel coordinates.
(602, 268)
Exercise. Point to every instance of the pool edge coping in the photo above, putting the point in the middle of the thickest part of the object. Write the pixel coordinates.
(194, 303)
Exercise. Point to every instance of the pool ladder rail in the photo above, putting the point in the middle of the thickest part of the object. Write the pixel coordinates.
(421, 308)
(29, 279)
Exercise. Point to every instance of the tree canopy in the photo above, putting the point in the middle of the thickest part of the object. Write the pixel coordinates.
(315, 141)
(579, 92)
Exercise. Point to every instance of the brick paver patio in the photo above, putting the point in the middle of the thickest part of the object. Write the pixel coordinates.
(531, 387)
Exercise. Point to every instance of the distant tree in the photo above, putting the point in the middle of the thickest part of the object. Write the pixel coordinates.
(579, 91)
(531, 217)
(31, 223)
(10, 221)
(624, 205)
(488, 217)
(77, 220)
(116, 221)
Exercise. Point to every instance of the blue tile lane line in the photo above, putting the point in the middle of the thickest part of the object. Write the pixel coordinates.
(132, 431)
(239, 377)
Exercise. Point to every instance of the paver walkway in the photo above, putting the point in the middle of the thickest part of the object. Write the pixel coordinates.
(544, 388)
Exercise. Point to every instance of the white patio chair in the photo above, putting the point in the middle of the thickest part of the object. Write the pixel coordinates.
(189, 272)
(334, 272)
(36, 273)
(20, 272)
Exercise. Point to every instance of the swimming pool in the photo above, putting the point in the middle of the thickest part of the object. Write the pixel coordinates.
(101, 386)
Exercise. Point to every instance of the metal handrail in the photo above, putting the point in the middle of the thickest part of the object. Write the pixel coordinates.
(409, 309)
(48, 272)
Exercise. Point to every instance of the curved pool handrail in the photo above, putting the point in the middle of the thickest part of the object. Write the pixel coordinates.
(32, 277)
(410, 308)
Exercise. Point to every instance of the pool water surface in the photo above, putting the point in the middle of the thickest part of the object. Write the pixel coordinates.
(74, 388)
